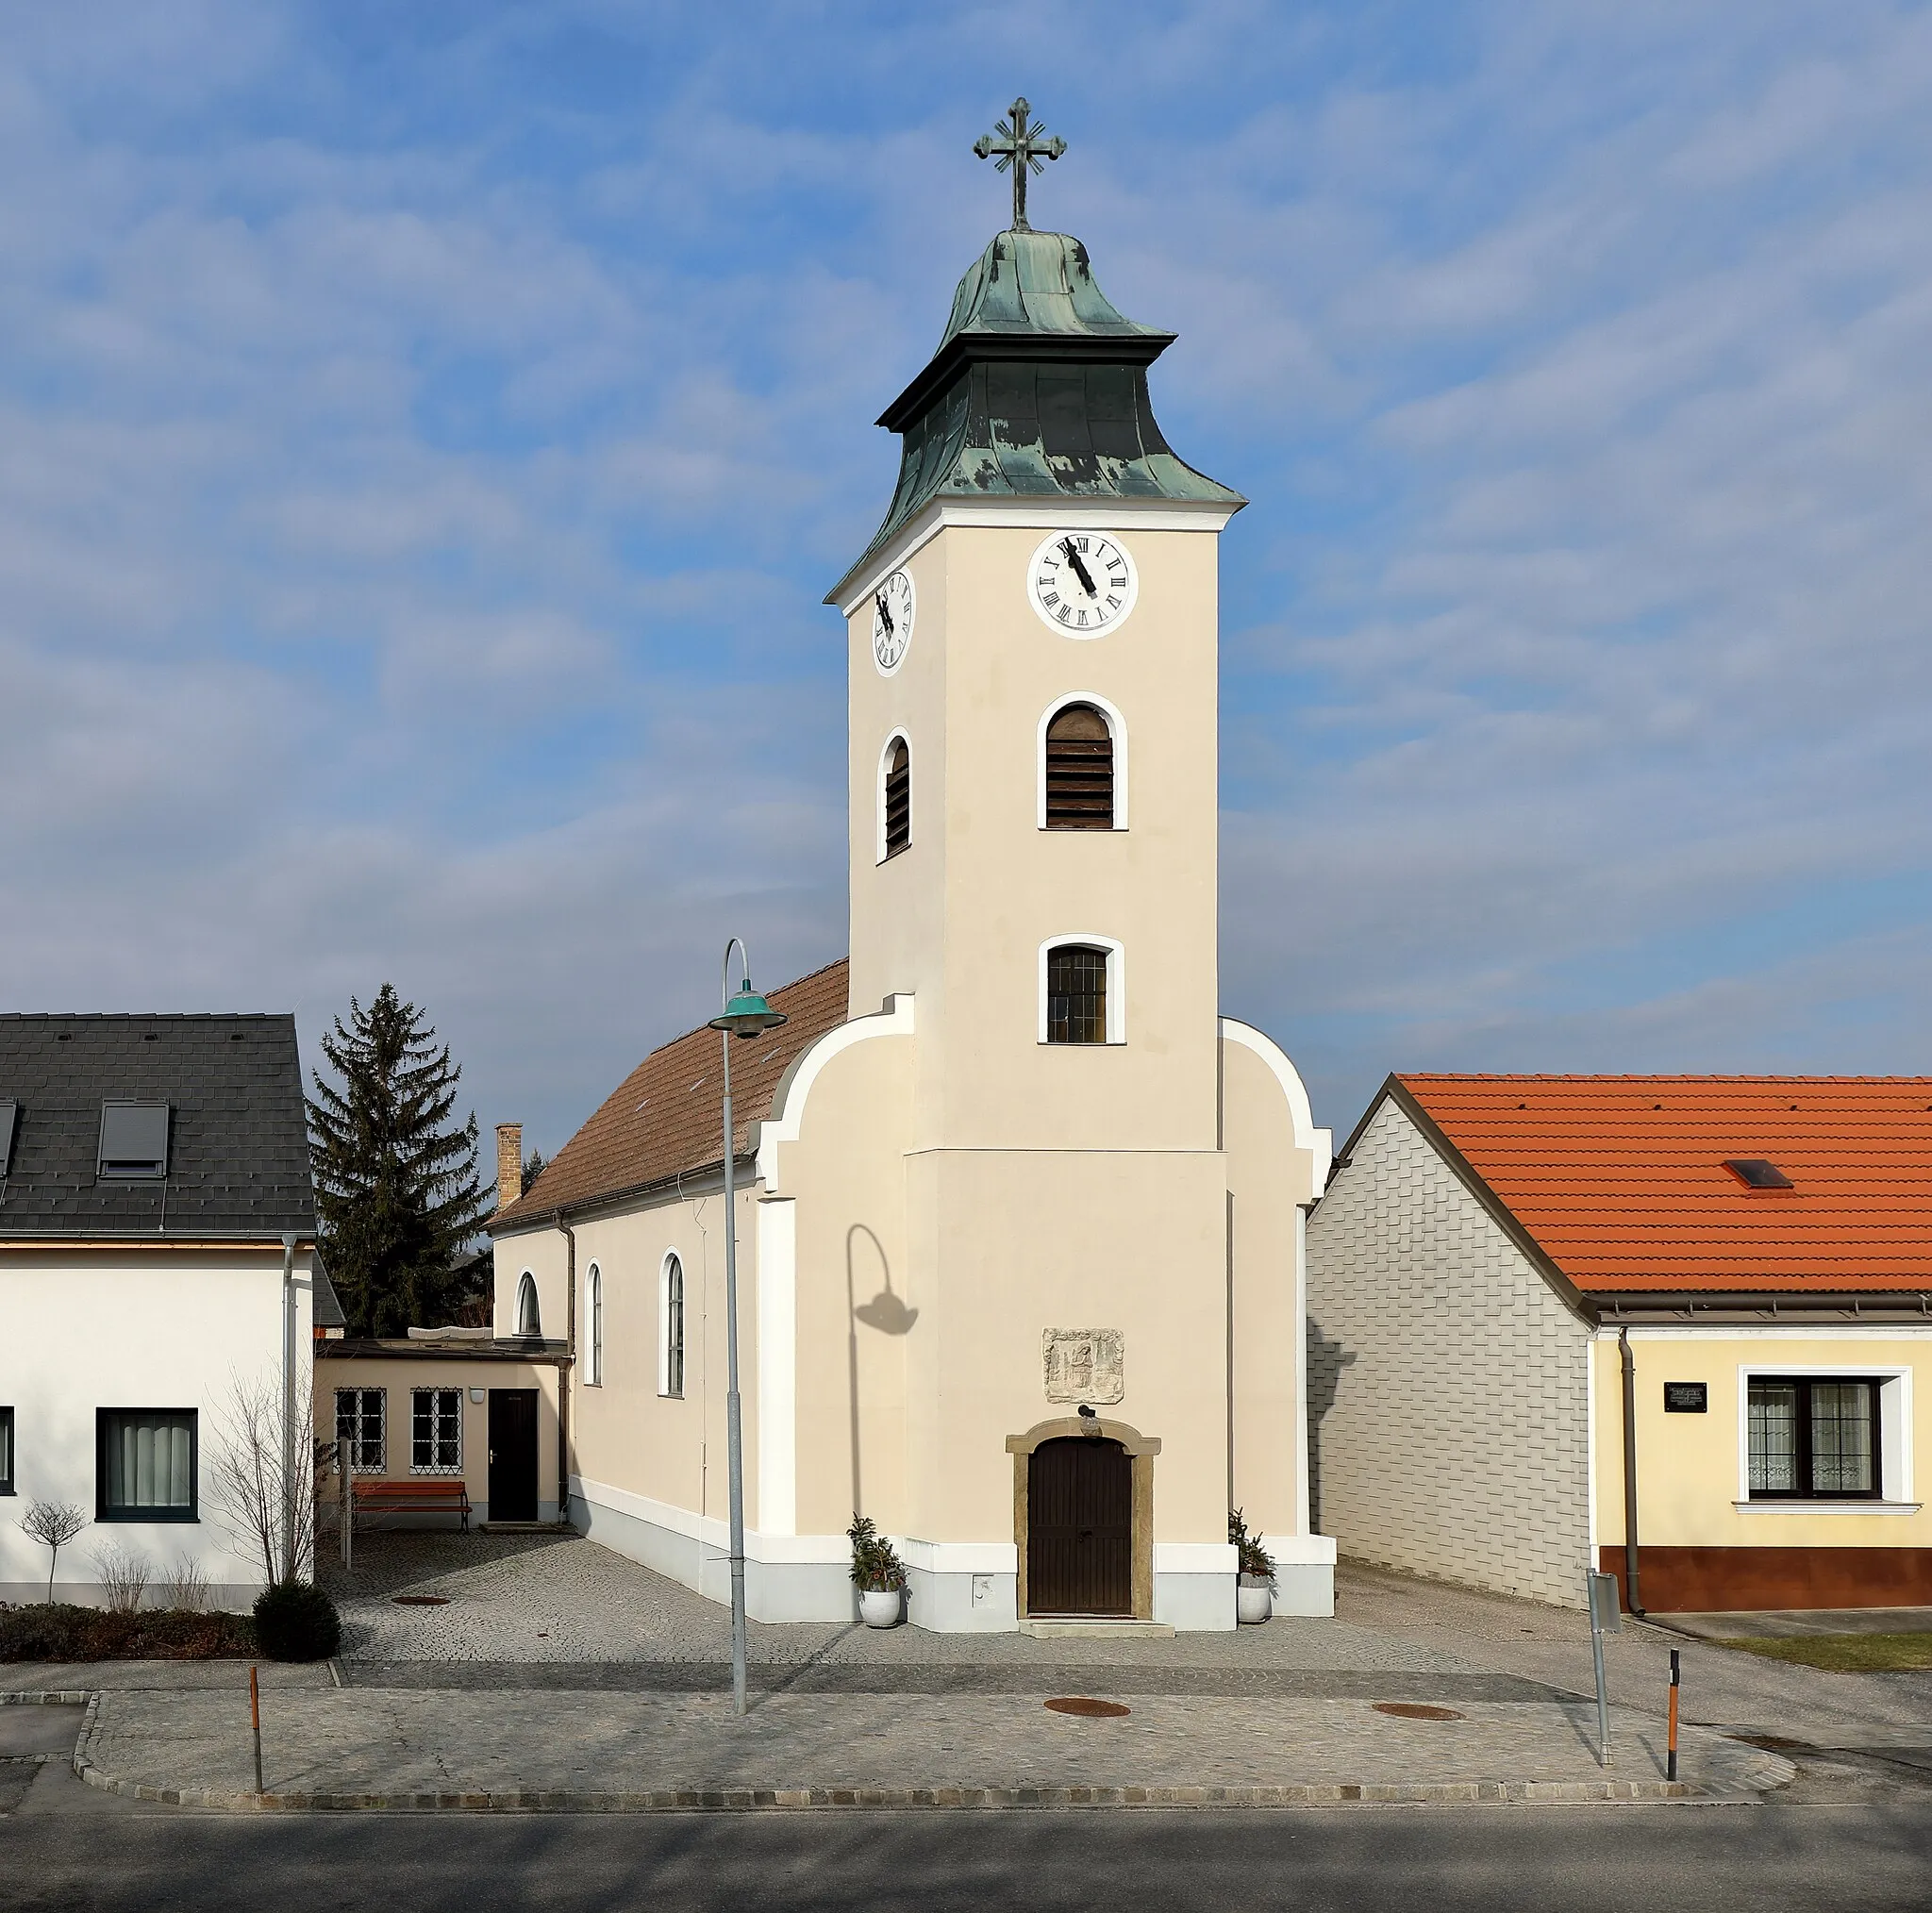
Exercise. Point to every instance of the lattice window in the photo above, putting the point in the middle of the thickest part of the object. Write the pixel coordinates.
(435, 1431)
(1075, 994)
(1079, 770)
(898, 797)
(362, 1429)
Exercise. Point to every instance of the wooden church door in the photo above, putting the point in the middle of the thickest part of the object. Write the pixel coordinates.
(1080, 1527)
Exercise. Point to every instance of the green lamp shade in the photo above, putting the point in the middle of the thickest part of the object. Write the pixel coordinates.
(747, 1014)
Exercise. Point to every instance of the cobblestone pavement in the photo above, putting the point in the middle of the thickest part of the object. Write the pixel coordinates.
(389, 1744)
(561, 1610)
(572, 1600)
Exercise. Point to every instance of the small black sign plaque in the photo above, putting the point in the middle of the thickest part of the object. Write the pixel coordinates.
(1687, 1398)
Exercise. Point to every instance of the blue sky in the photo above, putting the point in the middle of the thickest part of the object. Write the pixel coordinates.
(427, 433)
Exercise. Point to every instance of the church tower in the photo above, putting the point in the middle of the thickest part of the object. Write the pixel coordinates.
(1033, 669)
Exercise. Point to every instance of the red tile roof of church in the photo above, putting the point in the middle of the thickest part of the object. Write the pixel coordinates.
(665, 1118)
(1621, 1180)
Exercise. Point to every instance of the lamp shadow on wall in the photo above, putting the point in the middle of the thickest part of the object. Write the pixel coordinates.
(1326, 1360)
(884, 1313)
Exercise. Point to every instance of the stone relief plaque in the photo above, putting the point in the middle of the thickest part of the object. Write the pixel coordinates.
(1084, 1364)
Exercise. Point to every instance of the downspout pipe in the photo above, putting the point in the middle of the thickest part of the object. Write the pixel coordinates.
(564, 1370)
(1633, 1597)
(288, 1407)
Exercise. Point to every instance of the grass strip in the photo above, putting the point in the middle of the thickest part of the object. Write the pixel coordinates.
(1843, 1653)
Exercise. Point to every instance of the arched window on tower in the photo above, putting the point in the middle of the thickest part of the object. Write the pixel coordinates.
(593, 1308)
(895, 799)
(528, 1321)
(1079, 770)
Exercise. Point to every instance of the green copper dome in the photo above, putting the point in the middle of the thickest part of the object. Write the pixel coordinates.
(1029, 282)
(1038, 389)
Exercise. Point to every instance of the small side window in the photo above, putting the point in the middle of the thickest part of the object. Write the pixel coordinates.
(6, 1451)
(435, 1431)
(529, 1321)
(362, 1429)
(593, 1310)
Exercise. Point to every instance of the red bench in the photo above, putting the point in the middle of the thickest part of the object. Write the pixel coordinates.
(414, 1497)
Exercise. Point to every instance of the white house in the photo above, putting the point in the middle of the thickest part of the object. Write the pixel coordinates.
(157, 1255)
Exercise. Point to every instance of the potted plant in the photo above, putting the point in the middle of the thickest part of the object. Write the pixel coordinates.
(877, 1572)
(1254, 1590)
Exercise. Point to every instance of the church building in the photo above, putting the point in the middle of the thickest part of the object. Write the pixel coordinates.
(1020, 1215)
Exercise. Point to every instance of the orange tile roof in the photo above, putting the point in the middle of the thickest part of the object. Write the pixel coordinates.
(665, 1118)
(1620, 1180)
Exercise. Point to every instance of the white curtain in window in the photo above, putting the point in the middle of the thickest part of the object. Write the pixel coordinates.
(150, 1462)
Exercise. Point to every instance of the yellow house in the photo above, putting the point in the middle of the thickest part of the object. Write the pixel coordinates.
(1668, 1326)
(1021, 1216)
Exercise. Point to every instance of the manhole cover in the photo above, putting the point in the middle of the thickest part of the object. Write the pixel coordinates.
(1089, 1710)
(1414, 1710)
(421, 1600)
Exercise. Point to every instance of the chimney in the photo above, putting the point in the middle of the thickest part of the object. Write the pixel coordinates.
(510, 1163)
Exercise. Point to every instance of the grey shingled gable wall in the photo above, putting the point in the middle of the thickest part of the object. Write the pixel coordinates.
(1448, 1429)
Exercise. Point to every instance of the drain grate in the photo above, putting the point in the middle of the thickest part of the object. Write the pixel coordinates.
(1415, 1710)
(1088, 1709)
(420, 1600)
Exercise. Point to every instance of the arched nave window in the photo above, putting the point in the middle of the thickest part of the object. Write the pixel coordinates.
(670, 1327)
(528, 1321)
(895, 797)
(593, 1309)
(1082, 993)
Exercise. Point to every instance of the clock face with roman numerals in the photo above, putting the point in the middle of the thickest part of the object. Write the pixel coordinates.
(1082, 582)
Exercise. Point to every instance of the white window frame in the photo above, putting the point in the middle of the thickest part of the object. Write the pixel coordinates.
(444, 1469)
(898, 735)
(1116, 985)
(381, 1467)
(526, 1282)
(672, 1257)
(1894, 1435)
(593, 1319)
(1117, 726)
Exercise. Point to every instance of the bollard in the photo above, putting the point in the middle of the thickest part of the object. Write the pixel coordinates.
(254, 1716)
(1676, 1677)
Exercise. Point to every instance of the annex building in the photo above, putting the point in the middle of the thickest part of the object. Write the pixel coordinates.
(1020, 1214)
(1672, 1327)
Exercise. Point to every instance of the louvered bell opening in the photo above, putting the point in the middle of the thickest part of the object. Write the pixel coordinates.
(1075, 994)
(898, 799)
(1080, 770)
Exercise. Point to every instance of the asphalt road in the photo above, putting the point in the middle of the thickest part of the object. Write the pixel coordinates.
(65, 1846)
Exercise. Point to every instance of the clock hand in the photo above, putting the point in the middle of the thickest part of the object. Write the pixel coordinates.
(1080, 571)
(878, 598)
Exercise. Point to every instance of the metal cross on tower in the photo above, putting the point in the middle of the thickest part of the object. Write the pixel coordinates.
(1019, 146)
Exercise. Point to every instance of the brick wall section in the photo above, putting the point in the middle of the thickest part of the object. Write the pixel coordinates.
(1447, 1405)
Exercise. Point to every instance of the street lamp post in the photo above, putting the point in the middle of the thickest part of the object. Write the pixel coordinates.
(746, 1014)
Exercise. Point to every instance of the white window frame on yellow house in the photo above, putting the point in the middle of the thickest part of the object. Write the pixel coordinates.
(1894, 1438)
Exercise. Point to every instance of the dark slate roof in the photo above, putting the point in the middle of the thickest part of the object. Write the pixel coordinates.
(1038, 389)
(237, 1147)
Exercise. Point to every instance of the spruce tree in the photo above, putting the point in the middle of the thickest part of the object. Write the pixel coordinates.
(396, 1179)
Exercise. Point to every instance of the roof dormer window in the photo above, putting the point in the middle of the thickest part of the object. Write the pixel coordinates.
(134, 1142)
(1753, 1172)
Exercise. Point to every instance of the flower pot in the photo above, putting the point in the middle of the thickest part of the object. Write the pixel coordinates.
(1254, 1600)
(879, 1607)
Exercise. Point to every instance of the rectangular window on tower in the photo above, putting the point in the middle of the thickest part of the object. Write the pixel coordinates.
(1075, 994)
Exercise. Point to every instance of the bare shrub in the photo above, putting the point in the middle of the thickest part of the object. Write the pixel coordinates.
(260, 1483)
(186, 1586)
(123, 1578)
(53, 1524)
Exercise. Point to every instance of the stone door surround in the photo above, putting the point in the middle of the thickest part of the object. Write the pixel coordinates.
(1142, 1449)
